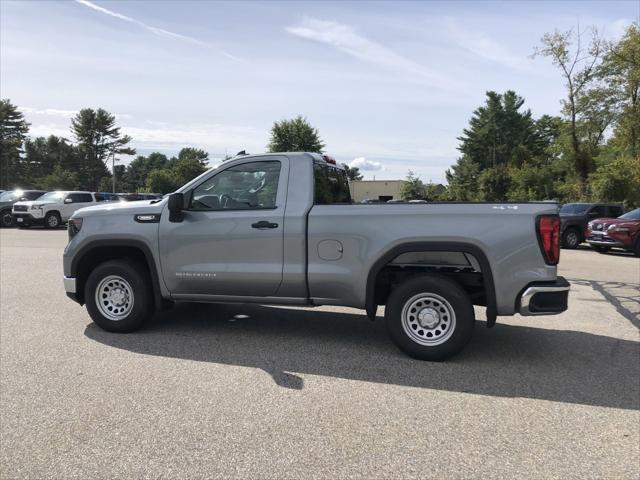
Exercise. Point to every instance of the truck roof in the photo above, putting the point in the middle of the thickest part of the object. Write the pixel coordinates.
(316, 157)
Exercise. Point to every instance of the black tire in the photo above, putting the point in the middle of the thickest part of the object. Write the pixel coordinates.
(636, 247)
(52, 220)
(457, 328)
(600, 249)
(6, 219)
(137, 279)
(571, 238)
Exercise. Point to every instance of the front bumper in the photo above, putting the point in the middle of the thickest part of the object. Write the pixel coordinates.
(545, 298)
(70, 288)
(21, 218)
(605, 241)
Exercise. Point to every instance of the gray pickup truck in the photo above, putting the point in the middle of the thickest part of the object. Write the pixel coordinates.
(281, 229)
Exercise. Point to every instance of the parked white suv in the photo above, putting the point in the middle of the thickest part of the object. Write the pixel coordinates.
(51, 209)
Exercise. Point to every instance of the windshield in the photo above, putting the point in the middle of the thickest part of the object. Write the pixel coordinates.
(632, 215)
(574, 208)
(51, 197)
(10, 196)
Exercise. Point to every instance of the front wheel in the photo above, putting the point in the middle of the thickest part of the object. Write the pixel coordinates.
(52, 220)
(6, 219)
(118, 296)
(430, 317)
(571, 238)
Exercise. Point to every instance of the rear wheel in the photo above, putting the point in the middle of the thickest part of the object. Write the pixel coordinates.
(6, 219)
(430, 317)
(571, 238)
(118, 296)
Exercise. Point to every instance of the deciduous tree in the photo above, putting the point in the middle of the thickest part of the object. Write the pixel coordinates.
(295, 135)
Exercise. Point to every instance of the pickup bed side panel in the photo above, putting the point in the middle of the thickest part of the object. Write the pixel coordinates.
(364, 233)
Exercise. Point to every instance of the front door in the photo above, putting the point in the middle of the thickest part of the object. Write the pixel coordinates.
(230, 241)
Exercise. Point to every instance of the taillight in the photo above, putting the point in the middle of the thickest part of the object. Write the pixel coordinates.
(548, 229)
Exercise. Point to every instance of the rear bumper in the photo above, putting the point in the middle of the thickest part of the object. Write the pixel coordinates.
(545, 298)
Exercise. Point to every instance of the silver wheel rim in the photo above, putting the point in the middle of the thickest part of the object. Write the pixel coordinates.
(428, 319)
(52, 221)
(572, 238)
(114, 297)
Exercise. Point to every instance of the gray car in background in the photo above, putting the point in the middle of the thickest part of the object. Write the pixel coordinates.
(281, 229)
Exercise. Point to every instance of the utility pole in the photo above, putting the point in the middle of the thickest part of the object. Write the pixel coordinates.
(113, 169)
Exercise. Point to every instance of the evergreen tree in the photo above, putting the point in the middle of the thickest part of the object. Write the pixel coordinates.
(98, 138)
(353, 173)
(13, 131)
(412, 188)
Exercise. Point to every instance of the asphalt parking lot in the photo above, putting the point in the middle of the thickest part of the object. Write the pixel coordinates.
(240, 391)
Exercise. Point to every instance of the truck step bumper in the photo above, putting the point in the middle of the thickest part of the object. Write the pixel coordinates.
(545, 298)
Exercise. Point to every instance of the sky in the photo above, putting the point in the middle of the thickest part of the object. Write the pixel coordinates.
(389, 86)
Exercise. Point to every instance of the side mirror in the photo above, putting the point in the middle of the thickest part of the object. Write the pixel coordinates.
(176, 206)
(68, 200)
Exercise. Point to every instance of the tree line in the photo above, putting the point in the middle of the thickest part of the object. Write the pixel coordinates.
(591, 151)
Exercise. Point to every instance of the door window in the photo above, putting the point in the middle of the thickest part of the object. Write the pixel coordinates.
(615, 211)
(597, 212)
(80, 197)
(248, 186)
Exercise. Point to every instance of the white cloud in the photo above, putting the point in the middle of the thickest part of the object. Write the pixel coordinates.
(54, 112)
(366, 165)
(157, 31)
(485, 47)
(618, 28)
(347, 40)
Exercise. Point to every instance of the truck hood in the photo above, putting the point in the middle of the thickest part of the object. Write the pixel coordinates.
(28, 203)
(118, 208)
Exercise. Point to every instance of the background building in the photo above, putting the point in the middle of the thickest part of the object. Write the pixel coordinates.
(382, 190)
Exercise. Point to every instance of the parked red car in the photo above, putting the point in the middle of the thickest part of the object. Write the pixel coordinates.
(622, 232)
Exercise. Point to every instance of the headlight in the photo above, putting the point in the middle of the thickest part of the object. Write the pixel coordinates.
(590, 225)
(36, 207)
(616, 228)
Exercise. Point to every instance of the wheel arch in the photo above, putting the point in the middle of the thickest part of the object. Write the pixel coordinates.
(99, 251)
(458, 247)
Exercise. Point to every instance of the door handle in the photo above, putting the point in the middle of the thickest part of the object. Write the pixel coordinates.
(264, 224)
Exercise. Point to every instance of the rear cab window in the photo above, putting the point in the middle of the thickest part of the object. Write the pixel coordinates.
(331, 185)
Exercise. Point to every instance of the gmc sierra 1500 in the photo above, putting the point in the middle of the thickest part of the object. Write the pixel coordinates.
(281, 229)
